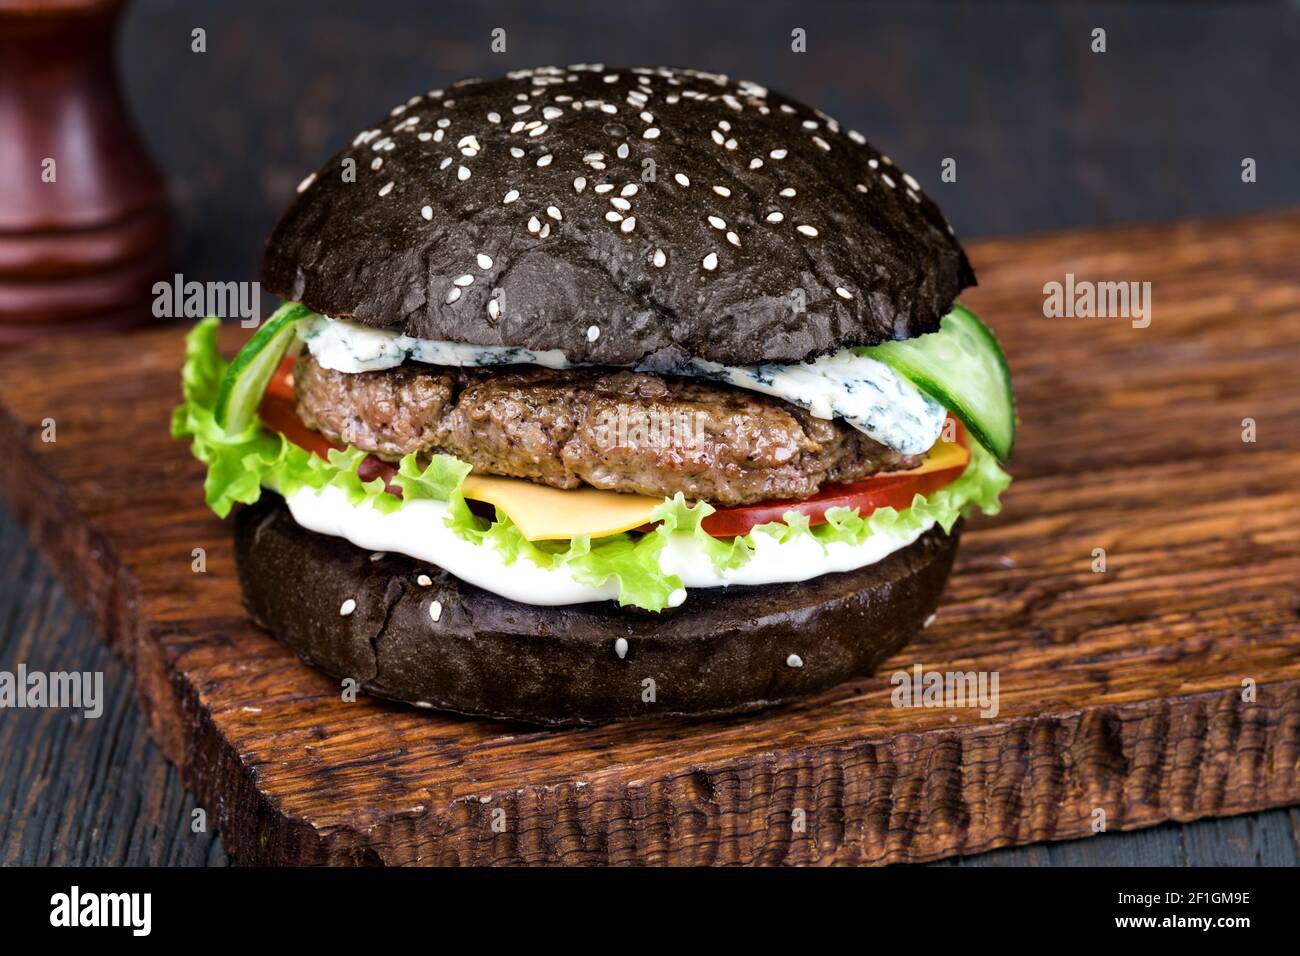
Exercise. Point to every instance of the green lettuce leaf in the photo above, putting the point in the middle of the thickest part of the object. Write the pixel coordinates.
(241, 465)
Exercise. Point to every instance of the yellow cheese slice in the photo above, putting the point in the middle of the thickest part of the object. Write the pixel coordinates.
(544, 513)
(942, 454)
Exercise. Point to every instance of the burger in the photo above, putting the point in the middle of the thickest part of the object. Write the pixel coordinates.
(600, 393)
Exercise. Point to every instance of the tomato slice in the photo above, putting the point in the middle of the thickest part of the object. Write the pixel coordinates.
(279, 412)
(886, 490)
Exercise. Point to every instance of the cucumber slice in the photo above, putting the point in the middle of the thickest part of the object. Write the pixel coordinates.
(962, 367)
(246, 378)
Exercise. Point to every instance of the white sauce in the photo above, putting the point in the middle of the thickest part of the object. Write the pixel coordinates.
(418, 530)
(867, 394)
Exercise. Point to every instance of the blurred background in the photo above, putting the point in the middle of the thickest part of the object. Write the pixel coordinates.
(1047, 135)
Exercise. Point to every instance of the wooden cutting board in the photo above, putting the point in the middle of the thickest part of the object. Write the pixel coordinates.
(1121, 692)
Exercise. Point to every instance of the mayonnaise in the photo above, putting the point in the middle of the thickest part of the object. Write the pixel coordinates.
(418, 529)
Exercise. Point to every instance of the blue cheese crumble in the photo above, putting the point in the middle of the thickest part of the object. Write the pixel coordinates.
(866, 393)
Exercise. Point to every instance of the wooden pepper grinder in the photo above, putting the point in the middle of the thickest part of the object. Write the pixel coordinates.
(84, 223)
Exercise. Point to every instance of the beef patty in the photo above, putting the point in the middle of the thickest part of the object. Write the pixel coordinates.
(610, 428)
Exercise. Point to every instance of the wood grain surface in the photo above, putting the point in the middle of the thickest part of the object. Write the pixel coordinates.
(1120, 690)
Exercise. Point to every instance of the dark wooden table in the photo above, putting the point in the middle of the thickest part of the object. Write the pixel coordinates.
(1046, 134)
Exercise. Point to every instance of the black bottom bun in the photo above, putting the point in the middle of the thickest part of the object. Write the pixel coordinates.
(725, 650)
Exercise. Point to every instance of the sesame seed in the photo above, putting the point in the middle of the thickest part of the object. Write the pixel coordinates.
(722, 190)
(545, 160)
(612, 216)
(445, 163)
(628, 224)
(510, 197)
(552, 112)
(843, 293)
(424, 580)
(593, 333)
(717, 223)
(620, 204)
(554, 213)
(435, 611)
(807, 230)
(546, 231)
(438, 135)
(620, 647)
(646, 117)
(651, 133)
(580, 184)
(463, 280)
(809, 124)
(427, 212)
(794, 660)
(731, 144)
(378, 161)
(733, 239)
(534, 224)
(711, 261)
(862, 187)
(484, 261)
(516, 152)
(347, 607)
(907, 178)
(520, 110)
(462, 173)
(453, 294)
(539, 130)
(857, 137)
(774, 217)
(755, 163)
(660, 259)
(622, 151)
(494, 308)
(628, 190)
(788, 192)
(778, 154)
(425, 137)
(821, 143)
(682, 179)
(494, 117)
(717, 137)
(888, 182)
(886, 160)
(311, 178)
(874, 164)
(386, 189)
(604, 187)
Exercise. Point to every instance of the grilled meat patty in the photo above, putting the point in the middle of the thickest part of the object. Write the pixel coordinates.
(613, 429)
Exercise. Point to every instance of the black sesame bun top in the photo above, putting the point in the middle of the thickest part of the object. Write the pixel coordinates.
(618, 215)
